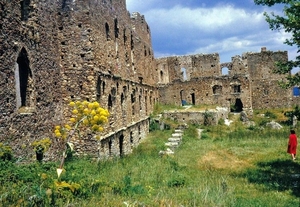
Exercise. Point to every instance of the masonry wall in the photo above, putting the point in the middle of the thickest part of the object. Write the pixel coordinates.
(249, 84)
(219, 91)
(55, 52)
(27, 52)
(266, 93)
(185, 68)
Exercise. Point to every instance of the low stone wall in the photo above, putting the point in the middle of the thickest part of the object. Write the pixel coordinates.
(211, 116)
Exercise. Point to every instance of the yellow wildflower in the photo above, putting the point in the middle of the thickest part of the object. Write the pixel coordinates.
(72, 104)
(73, 120)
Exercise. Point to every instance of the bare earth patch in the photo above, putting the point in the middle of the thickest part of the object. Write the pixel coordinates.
(222, 159)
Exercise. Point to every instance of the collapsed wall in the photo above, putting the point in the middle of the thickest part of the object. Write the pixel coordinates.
(249, 84)
(57, 51)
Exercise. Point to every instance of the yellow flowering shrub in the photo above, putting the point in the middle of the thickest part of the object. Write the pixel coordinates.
(85, 115)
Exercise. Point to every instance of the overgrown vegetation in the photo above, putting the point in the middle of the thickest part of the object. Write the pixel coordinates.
(227, 166)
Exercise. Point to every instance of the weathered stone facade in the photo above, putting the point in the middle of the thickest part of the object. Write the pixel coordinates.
(249, 84)
(52, 52)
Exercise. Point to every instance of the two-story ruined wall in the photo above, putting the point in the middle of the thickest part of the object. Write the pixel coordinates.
(221, 91)
(187, 67)
(55, 52)
(265, 91)
(250, 83)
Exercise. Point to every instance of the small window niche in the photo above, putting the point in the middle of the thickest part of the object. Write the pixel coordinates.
(217, 89)
(236, 89)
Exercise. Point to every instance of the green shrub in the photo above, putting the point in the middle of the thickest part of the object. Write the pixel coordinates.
(5, 152)
(204, 136)
(270, 115)
(177, 180)
(154, 125)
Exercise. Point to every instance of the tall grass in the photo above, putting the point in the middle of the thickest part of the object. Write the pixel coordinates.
(230, 166)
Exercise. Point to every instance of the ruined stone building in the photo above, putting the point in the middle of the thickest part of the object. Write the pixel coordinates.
(52, 52)
(249, 83)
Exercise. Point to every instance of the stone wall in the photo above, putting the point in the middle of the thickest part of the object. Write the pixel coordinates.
(211, 116)
(249, 84)
(53, 52)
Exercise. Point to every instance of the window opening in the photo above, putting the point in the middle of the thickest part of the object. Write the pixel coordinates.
(116, 28)
(140, 102)
(161, 76)
(183, 72)
(107, 31)
(25, 9)
(110, 147)
(23, 79)
(124, 36)
(121, 144)
(225, 71)
(236, 88)
(193, 98)
(103, 87)
(217, 89)
(98, 88)
(131, 138)
(109, 102)
(131, 42)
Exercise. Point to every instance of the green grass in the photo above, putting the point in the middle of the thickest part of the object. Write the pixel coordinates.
(230, 166)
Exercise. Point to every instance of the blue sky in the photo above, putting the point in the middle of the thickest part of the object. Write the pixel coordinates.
(183, 27)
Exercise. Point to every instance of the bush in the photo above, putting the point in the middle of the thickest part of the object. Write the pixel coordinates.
(270, 115)
(154, 125)
(177, 180)
(5, 152)
(204, 136)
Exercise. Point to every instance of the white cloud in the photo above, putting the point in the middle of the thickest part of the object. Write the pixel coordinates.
(224, 28)
(203, 18)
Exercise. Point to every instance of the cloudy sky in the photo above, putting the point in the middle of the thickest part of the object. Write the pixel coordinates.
(228, 27)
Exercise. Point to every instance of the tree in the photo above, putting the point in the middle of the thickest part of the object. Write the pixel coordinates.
(290, 23)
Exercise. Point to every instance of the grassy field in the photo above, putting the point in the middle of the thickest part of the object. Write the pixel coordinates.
(232, 165)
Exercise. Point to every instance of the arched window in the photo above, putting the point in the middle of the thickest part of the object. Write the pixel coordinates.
(24, 82)
(161, 76)
(225, 71)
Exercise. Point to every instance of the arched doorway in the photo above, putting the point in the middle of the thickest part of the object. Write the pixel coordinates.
(238, 106)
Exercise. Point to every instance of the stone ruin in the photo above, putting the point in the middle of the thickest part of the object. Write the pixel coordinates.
(52, 52)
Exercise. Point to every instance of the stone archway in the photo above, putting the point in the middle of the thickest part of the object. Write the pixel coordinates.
(238, 106)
